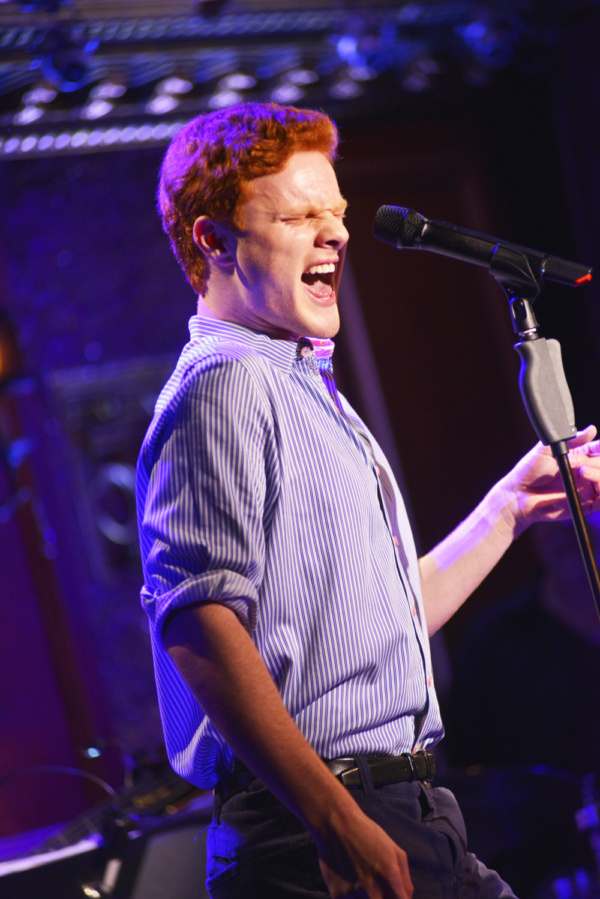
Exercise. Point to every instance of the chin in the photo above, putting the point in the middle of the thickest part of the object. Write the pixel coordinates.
(325, 328)
(328, 333)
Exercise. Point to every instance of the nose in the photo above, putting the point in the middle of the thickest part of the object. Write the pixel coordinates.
(333, 232)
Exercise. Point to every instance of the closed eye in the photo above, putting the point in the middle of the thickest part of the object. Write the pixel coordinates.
(341, 214)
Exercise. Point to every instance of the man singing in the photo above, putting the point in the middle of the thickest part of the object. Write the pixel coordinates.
(289, 613)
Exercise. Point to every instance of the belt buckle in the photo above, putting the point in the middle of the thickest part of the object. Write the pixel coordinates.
(345, 770)
(429, 760)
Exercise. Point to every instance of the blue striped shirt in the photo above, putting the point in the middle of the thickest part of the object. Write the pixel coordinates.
(254, 491)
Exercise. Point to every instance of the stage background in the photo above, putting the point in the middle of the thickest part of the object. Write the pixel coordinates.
(96, 309)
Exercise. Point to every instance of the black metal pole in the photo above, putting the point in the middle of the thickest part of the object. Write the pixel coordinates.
(580, 525)
(544, 388)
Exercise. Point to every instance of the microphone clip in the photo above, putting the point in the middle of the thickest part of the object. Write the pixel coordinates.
(512, 270)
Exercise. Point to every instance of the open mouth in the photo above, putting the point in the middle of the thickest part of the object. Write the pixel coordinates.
(320, 280)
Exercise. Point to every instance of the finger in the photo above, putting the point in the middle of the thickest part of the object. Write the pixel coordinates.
(582, 437)
(586, 467)
(591, 473)
(590, 450)
(407, 884)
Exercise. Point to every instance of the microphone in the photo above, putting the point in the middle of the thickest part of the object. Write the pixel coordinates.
(407, 229)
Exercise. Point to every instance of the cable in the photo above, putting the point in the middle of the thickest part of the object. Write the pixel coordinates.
(61, 769)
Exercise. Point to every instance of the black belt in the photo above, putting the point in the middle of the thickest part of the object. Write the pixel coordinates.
(384, 770)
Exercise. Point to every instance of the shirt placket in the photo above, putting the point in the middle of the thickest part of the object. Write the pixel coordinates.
(388, 512)
(327, 385)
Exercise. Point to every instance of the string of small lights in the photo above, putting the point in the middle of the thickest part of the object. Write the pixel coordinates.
(76, 84)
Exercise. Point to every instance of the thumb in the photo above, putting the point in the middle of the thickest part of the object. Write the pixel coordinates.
(582, 437)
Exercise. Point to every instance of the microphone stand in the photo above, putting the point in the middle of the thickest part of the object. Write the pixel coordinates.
(544, 387)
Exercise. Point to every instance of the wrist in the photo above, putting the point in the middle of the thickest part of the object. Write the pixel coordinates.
(326, 807)
(502, 511)
(332, 818)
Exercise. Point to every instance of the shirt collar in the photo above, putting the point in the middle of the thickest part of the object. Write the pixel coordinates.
(323, 347)
(283, 353)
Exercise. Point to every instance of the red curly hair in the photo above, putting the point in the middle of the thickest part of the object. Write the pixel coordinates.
(211, 160)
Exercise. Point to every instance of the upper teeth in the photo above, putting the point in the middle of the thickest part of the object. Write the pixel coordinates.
(326, 269)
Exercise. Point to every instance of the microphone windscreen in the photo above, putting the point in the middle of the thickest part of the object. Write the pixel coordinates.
(398, 226)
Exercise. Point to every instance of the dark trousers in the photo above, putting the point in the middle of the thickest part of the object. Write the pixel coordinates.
(258, 850)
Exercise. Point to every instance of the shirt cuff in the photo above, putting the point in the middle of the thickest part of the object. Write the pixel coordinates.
(226, 587)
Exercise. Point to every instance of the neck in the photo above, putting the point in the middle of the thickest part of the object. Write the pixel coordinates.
(203, 308)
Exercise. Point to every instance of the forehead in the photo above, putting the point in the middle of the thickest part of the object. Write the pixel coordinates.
(307, 180)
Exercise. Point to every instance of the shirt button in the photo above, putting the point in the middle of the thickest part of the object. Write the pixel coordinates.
(305, 351)
(396, 541)
(430, 681)
(377, 470)
(413, 610)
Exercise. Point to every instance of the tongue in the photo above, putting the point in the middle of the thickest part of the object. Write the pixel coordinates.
(321, 290)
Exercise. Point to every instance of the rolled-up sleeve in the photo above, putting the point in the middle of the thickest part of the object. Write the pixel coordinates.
(202, 479)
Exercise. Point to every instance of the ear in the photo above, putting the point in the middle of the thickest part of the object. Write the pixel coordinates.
(215, 240)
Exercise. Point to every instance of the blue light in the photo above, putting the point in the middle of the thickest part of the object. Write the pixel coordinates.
(472, 33)
(347, 47)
